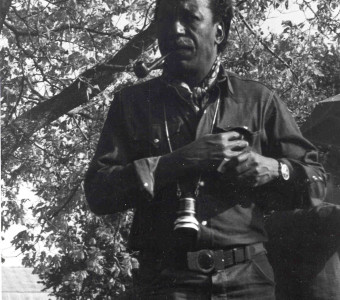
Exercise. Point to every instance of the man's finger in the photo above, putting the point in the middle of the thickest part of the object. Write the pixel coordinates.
(244, 167)
(238, 145)
(243, 157)
(231, 135)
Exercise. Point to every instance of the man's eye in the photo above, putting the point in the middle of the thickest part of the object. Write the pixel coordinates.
(194, 17)
(191, 17)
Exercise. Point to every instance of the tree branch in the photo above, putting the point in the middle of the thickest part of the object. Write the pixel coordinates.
(13, 109)
(63, 27)
(264, 44)
(18, 132)
(240, 3)
(78, 126)
(4, 8)
(34, 91)
(68, 200)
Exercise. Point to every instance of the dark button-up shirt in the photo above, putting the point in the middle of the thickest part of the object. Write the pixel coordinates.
(125, 173)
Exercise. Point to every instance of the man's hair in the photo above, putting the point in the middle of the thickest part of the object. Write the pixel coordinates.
(222, 11)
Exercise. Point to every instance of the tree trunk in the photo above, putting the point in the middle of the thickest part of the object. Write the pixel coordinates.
(4, 7)
(18, 132)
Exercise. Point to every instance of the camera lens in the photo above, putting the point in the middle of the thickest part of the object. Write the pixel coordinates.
(186, 219)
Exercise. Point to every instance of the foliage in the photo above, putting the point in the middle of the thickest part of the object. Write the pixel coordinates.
(301, 63)
(46, 44)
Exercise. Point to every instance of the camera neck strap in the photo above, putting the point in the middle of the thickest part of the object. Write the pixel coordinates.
(179, 191)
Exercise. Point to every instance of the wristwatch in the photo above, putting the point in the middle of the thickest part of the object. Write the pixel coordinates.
(283, 171)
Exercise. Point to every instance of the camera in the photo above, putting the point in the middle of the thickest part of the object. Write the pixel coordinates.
(186, 215)
(186, 225)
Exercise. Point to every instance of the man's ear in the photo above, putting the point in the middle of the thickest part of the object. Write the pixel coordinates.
(219, 36)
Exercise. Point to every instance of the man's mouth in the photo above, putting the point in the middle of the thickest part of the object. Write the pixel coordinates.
(180, 45)
(181, 52)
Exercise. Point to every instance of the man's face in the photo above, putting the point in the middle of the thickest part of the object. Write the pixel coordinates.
(186, 28)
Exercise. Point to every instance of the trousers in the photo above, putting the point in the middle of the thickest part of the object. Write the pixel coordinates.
(251, 280)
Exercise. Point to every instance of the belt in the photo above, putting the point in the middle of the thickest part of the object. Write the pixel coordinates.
(208, 261)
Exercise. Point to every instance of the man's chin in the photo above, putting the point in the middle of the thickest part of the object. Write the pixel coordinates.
(180, 67)
(182, 54)
(180, 58)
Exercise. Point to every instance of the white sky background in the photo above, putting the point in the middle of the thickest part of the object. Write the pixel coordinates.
(276, 16)
(272, 24)
(13, 257)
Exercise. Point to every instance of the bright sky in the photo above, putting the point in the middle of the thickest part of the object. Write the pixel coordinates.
(13, 257)
(275, 17)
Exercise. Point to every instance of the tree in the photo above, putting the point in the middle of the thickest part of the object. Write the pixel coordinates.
(58, 67)
(87, 85)
(48, 45)
(4, 7)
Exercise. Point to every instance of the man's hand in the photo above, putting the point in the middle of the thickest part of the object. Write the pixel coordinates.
(207, 152)
(252, 169)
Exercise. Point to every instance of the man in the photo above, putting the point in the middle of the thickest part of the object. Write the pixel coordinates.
(199, 135)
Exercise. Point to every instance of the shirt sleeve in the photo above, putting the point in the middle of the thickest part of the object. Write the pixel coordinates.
(307, 184)
(113, 181)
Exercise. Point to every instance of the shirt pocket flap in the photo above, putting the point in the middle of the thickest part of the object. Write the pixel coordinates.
(151, 136)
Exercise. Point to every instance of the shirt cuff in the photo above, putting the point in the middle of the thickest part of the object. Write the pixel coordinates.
(305, 178)
(145, 169)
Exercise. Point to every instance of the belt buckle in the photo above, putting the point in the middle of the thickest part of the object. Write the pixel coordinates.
(202, 261)
(205, 261)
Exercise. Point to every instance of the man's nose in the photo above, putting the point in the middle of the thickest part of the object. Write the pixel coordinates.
(178, 27)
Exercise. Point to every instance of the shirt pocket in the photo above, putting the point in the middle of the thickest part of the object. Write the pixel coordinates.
(146, 142)
(153, 141)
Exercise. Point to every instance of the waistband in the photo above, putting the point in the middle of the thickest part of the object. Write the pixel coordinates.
(208, 261)
(204, 260)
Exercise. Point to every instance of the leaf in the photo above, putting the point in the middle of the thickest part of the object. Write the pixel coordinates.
(317, 72)
(287, 4)
(287, 23)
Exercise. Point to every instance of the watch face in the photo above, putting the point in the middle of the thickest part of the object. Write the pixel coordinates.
(285, 171)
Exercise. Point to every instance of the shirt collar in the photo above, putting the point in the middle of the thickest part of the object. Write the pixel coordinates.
(223, 78)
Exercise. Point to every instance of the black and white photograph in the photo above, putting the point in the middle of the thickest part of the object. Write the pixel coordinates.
(170, 149)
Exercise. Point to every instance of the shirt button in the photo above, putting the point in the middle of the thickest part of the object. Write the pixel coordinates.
(156, 141)
(204, 223)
